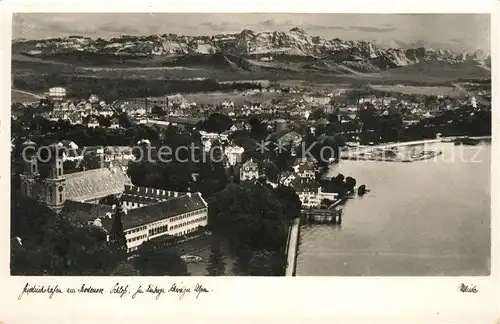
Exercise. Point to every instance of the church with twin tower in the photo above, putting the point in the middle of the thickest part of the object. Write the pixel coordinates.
(44, 179)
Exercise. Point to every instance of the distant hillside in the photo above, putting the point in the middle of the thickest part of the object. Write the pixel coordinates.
(241, 51)
(438, 71)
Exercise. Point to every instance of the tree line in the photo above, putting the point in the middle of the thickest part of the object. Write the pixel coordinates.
(110, 89)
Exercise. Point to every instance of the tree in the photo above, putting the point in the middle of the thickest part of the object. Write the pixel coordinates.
(109, 200)
(266, 263)
(159, 111)
(271, 171)
(29, 218)
(241, 266)
(216, 265)
(290, 201)
(340, 177)
(252, 218)
(368, 116)
(216, 123)
(350, 183)
(258, 130)
(159, 261)
(333, 118)
(26, 261)
(125, 269)
(117, 239)
(318, 113)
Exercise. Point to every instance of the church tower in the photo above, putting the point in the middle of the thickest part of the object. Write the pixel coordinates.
(30, 176)
(54, 183)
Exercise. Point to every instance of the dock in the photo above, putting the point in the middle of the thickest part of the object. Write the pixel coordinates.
(325, 215)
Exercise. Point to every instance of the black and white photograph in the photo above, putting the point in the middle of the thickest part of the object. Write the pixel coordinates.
(251, 144)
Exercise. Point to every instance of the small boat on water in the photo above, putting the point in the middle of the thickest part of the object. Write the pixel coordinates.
(191, 258)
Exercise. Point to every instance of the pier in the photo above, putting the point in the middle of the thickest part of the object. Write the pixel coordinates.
(327, 215)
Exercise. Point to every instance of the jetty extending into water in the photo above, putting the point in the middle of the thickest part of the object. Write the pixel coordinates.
(322, 215)
(389, 152)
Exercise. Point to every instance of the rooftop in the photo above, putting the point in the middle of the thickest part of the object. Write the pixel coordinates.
(303, 185)
(96, 183)
(85, 212)
(161, 210)
(250, 163)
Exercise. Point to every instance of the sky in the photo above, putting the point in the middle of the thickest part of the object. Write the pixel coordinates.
(458, 32)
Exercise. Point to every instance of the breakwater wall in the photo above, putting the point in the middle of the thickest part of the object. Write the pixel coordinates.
(292, 248)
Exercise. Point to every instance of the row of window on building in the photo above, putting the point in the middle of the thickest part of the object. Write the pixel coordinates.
(164, 228)
(188, 223)
(176, 218)
(159, 229)
(191, 230)
(140, 237)
(135, 230)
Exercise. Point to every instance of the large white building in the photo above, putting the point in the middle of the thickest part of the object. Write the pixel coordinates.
(156, 218)
(57, 93)
(309, 192)
(173, 216)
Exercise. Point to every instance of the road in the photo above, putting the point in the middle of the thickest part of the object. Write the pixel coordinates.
(27, 93)
(292, 248)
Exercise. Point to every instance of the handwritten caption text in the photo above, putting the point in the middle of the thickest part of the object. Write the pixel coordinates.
(119, 290)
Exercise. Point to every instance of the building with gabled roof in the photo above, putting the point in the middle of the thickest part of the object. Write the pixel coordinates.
(115, 124)
(93, 123)
(289, 138)
(307, 190)
(249, 170)
(305, 169)
(287, 177)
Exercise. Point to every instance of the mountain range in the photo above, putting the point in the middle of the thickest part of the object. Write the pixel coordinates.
(249, 50)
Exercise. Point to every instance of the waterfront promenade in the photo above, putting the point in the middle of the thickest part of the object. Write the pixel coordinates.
(366, 148)
(293, 245)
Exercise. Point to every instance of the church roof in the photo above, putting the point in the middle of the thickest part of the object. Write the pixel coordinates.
(95, 184)
(165, 209)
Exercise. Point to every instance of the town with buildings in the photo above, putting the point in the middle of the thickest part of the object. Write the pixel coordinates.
(159, 171)
(90, 182)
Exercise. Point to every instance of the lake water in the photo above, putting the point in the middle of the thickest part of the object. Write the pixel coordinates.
(425, 218)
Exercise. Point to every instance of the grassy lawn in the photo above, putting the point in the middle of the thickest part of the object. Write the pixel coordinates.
(419, 90)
